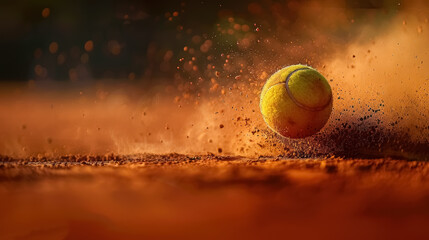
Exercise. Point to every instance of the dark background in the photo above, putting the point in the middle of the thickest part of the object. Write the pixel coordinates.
(130, 38)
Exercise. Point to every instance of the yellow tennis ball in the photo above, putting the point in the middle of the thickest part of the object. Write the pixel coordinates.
(296, 101)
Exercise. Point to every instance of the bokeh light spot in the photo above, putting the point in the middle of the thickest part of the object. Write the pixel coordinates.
(53, 47)
(46, 12)
(89, 45)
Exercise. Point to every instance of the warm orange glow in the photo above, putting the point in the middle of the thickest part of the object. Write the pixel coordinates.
(73, 75)
(131, 76)
(46, 12)
(139, 123)
(245, 28)
(38, 70)
(53, 47)
(89, 45)
(366, 74)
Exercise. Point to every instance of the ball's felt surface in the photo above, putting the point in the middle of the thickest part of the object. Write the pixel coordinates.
(296, 101)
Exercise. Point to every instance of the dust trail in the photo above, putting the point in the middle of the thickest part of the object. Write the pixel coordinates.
(378, 73)
(381, 84)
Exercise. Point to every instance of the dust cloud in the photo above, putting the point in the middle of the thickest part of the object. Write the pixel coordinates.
(375, 62)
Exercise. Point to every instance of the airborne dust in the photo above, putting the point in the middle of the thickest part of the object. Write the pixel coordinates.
(374, 59)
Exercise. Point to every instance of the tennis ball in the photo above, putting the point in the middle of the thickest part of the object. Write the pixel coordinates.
(296, 101)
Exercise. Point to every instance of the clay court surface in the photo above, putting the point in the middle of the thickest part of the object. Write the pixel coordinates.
(212, 197)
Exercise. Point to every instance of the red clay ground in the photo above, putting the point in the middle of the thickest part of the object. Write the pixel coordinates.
(209, 197)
